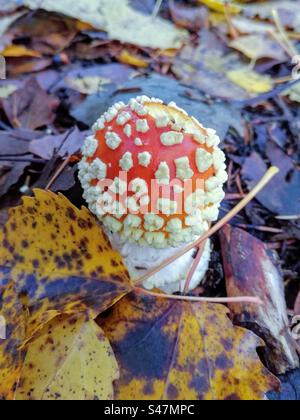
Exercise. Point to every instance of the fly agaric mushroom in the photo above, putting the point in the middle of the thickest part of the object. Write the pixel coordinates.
(154, 175)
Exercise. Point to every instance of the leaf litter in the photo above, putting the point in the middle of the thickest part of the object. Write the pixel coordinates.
(61, 77)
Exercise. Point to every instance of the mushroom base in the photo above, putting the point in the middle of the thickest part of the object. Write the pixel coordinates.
(172, 278)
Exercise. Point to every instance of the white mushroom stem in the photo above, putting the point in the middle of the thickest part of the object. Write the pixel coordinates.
(140, 259)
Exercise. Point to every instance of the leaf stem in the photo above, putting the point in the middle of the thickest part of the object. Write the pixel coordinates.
(239, 207)
(156, 8)
(242, 299)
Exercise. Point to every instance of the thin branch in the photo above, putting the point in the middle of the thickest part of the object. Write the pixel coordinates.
(242, 299)
(156, 8)
(262, 183)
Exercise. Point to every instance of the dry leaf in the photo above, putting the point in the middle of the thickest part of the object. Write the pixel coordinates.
(120, 21)
(250, 271)
(258, 46)
(60, 259)
(222, 6)
(7, 90)
(7, 21)
(13, 320)
(70, 360)
(126, 57)
(250, 80)
(30, 106)
(170, 350)
(19, 51)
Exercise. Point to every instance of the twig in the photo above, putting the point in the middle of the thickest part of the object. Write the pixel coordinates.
(290, 47)
(58, 172)
(194, 268)
(21, 159)
(263, 182)
(156, 8)
(242, 299)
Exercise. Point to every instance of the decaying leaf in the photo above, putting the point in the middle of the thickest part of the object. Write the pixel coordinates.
(60, 259)
(63, 145)
(122, 22)
(70, 360)
(7, 21)
(7, 90)
(13, 325)
(250, 271)
(19, 51)
(282, 195)
(250, 80)
(258, 46)
(181, 350)
(30, 106)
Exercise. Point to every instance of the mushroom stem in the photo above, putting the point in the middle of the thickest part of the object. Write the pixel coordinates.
(241, 299)
(239, 207)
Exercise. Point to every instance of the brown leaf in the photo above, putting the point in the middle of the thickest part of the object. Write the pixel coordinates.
(251, 271)
(30, 107)
(179, 350)
(11, 172)
(297, 305)
(192, 18)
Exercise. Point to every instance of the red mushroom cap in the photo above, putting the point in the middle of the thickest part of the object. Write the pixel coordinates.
(153, 174)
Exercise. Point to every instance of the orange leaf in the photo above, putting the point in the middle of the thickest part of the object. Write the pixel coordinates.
(19, 51)
(181, 350)
(127, 57)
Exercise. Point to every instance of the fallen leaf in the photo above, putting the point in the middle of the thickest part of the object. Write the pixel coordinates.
(70, 360)
(192, 18)
(293, 93)
(30, 106)
(122, 23)
(250, 270)
(290, 387)
(288, 11)
(7, 90)
(24, 65)
(250, 80)
(11, 172)
(63, 145)
(170, 350)
(87, 85)
(222, 6)
(126, 57)
(19, 51)
(258, 46)
(282, 195)
(7, 21)
(60, 260)
(219, 116)
(14, 322)
(250, 26)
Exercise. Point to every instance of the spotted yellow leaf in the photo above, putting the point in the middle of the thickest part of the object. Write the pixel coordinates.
(250, 80)
(70, 360)
(60, 260)
(13, 332)
(185, 351)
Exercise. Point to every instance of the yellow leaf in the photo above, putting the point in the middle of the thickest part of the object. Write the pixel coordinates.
(60, 259)
(222, 6)
(13, 51)
(293, 93)
(179, 350)
(250, 80)
(13, 325)
(259, 45)
(70, 360)
(127, 57)
(87, 85)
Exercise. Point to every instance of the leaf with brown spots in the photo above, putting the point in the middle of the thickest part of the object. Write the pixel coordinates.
(181, 350)
(70, 360)
(60, 260)
(12, 334)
